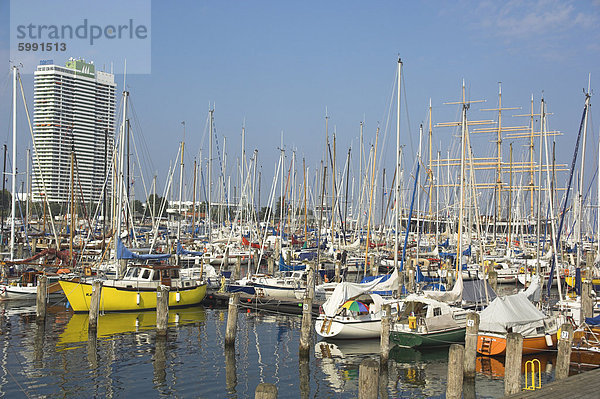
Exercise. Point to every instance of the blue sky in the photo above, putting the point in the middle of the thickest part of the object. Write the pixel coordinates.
(278, 65)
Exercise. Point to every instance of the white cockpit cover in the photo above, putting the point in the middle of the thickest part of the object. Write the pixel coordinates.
(344, 291)
(455, 295)
(534, 291)
(512, 313)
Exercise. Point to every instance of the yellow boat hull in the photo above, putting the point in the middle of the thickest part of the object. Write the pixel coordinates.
(571, 281)
(114, 299)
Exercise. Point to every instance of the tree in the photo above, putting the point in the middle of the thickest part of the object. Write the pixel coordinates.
(154, 203)
(138, 207)
(262, 214)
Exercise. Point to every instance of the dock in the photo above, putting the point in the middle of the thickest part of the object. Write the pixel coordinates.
(584, 385)
(259, 303)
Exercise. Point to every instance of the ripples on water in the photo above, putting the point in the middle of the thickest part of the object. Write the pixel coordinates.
(127, 359)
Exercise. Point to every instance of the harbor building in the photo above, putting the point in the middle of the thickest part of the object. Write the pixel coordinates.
(74, 111)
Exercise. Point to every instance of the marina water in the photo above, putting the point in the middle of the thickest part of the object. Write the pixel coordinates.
(59, 359)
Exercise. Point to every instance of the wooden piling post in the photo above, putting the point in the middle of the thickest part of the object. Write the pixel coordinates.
(337, 271)
(471, 344)
(307, 326)
(232, 316)
(256, 259)
(368, 379)
(456, 362)
(122, 268)
(238, 268)
(41, 299)
(374, 268)
(265, 391)
(563, 359)
(162, 309)
(270, 265)
(587, 302)
(411, 280)
(512, 363)
(95, 305)
(493, 279)
(400, 285)
(386, 311)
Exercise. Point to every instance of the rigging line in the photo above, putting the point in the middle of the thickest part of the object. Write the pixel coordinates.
(412, 147)
(221, 171)
(143, 144)
(135, 150)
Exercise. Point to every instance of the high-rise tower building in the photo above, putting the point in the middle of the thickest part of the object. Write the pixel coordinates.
(74, 111)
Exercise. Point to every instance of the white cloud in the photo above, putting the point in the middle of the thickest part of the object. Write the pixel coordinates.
(521, 18)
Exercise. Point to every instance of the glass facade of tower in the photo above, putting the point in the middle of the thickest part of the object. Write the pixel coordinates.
(74, 111)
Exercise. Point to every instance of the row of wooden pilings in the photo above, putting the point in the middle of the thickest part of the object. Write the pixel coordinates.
(162, 306)
(461, 359)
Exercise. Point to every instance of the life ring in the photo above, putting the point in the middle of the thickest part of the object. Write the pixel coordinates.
(87, 271)
(566, 272)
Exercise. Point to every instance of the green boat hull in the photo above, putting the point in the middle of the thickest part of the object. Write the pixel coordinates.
(437, 338)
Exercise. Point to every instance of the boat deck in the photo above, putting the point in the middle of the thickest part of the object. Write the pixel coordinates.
(584, 385)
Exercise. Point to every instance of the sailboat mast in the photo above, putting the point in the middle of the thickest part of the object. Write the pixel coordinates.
(208, 205)
(28, 193)
(579, 217)
(462, 180)
(397, 185)
(181, 165)
(499, 160)
(119, 210)
(194, 198)
(429, 170)
(539, 202)
(14, 166)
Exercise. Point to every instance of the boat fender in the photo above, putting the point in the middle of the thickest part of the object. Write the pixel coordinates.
(177, 317)
(549, 342)
(137, 301)
(178, 296)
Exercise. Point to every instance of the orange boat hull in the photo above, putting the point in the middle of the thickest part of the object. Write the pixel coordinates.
(495, 345)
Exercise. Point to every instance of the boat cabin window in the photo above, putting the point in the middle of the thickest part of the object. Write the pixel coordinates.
(174, 273)
(156, 276)
(146, 274)
(136, 272)
(437, 311)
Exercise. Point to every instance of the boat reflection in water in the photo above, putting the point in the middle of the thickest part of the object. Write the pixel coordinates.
(410, 372)
(113, 323)
(493, 366)
(419, 372)
(339, 360)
